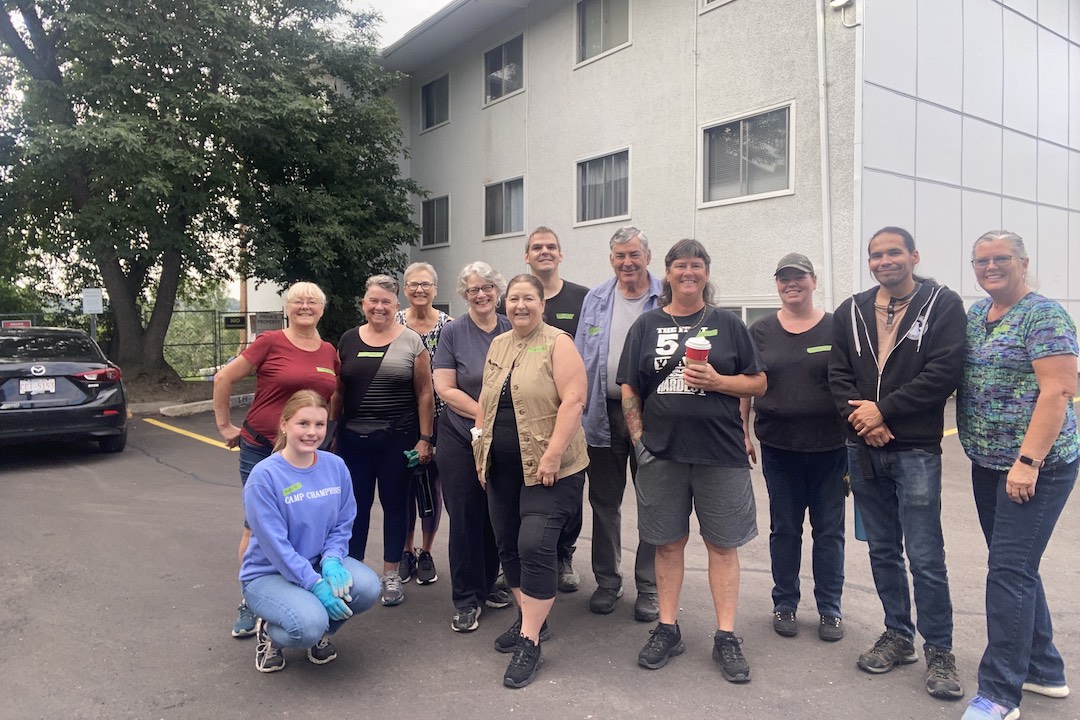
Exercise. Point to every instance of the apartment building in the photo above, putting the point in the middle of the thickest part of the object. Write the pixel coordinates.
(760, 127)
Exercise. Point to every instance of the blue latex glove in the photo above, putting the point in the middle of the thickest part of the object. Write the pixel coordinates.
(339, 578)
(413, 456)
(335, 606)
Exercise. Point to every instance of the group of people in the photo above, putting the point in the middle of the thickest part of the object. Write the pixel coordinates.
(544, 383)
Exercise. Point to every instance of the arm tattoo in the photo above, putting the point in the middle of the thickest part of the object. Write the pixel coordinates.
(632, 412)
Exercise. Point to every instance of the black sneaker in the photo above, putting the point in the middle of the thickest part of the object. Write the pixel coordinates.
(646, 607)
(569, 581)
(523, 665)
(425, 568)
(466, 620)
(783, 622)
(506, 642)
(603, 600)
(942, 679)
(665, 642)
(499, 599)
(407, 567)
(268, 657)
(727, 650)
(890, 650)
(322, 652)
(830, 629)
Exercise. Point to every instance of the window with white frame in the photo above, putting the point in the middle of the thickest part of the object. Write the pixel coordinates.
(748, 156)
(435, 102)
(435, 221)
(602, 26)
(504, 68)
(604, 187)
(504, 207)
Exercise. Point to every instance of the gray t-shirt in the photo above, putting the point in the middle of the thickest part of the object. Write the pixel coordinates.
(463, 348)
(624, 312)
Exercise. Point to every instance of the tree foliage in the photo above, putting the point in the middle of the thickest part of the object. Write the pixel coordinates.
(148, 142)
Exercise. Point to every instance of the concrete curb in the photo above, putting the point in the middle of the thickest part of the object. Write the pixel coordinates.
(185, 409)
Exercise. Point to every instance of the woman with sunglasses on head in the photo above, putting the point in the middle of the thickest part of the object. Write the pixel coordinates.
(1017, 424)
(296, 574)
(388, 408)
(458, 372)
(283, 361)
(421, 286)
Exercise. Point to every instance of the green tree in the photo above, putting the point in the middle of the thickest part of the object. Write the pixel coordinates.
(139, 137)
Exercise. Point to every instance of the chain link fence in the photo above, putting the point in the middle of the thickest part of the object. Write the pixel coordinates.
(198, 341)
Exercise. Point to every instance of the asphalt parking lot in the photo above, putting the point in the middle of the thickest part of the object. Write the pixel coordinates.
(118, 588)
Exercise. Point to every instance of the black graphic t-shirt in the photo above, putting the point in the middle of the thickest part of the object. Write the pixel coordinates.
(681, 423)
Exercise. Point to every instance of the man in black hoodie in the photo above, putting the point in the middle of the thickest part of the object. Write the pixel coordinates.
(897, 356)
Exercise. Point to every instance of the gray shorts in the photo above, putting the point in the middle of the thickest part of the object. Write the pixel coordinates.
(723, 498)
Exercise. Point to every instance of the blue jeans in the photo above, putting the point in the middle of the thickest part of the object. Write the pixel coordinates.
(1020, 636)
(295, 617)
(899, 498)
(797, 482)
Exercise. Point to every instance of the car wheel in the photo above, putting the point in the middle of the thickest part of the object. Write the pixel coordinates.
(113, 443)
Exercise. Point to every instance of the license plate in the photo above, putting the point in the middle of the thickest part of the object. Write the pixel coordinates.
(36, 386)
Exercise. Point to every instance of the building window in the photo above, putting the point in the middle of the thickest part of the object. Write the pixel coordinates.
(504, 207)
(602, 25)
(504, 69)
(749, 156)
(435, 102)
(604, 187)
(435, 221)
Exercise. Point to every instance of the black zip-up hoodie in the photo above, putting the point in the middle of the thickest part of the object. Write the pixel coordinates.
(921, 372)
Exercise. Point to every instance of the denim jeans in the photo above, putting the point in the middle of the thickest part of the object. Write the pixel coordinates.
(797, 482)
(250, 456)
(899, 498)
(295, 617)
(1020, 636)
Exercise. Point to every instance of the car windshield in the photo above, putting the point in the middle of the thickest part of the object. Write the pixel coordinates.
(21, 348)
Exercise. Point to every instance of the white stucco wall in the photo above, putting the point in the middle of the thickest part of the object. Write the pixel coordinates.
(683, 68)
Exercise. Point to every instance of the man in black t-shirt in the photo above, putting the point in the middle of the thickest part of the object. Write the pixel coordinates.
(562, 309)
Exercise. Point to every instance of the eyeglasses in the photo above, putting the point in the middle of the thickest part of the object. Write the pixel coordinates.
(419, 285)
(473, 291)
(1001, 261)
(306, 301)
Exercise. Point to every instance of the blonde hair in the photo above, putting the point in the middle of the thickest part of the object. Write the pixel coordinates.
(304, 289)
(300, 399)
(417, 267)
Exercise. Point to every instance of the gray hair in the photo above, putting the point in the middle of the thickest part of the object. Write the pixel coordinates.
(384, 281)
(418, 266)
(627, 233)
(1015, 241)
(486, 273)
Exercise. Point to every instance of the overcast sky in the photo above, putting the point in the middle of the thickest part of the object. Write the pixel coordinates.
(401, 16)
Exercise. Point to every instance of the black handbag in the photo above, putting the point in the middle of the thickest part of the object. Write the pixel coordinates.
(425, 500)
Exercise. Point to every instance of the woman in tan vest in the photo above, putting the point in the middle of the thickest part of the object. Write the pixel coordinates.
(531, 456)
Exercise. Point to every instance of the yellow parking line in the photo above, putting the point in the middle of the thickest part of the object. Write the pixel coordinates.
(188, 433)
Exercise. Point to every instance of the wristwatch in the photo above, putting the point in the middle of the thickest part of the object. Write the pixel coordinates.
(427, 438)
(1031, 461)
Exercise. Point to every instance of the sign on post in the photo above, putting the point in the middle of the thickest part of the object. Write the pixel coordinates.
(234, 322)
(268, 321)
(93, 302)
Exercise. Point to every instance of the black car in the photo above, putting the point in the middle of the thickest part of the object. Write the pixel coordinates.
(55, 383)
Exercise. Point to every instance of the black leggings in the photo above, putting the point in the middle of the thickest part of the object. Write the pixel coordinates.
(527, 522)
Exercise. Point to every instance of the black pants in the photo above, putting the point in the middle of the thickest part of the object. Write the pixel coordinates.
(528, 522)
(474, 559)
